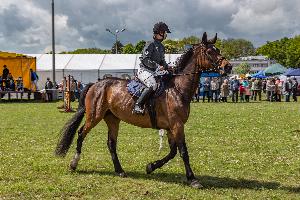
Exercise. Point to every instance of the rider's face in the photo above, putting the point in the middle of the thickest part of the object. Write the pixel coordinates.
(162, 35)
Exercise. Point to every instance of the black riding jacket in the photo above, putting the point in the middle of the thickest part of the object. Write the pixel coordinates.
(153, 56)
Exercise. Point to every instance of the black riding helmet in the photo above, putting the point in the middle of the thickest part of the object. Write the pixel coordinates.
(160, 27)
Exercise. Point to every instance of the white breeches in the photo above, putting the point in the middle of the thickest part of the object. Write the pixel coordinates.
(147, 78)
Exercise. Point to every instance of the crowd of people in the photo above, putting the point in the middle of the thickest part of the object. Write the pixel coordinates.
(8, 83)
(75, 87)
(246, 89)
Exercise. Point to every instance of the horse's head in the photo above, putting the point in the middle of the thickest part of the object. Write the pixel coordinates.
(209, 57)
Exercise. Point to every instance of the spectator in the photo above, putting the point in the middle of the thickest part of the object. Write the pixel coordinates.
(251, 85)
(197, 93)
(270, 88)
(242, 93)
(278, 90)
(257, 87)
(34, 79)
(9, 83)
(5, 72)
(264, 84)
(12, 85)
(206, 89)
(49, 87)
(294, 89)
(288, 89)
(20, 84)
(214, 87)
(72, 88)
(1, 83)
(224, 90)
(79, 88)
(234, 86)
(247, 92)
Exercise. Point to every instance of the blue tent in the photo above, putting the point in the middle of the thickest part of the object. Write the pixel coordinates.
(294, 72)
(260, 74)
(288, 71)
(210, 74)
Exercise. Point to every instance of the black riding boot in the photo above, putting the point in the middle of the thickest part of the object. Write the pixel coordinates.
(141, 100)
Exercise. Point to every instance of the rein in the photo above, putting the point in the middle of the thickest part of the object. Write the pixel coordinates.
(198, 70)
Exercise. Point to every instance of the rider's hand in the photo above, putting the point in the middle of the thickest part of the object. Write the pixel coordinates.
(171, 69)
(161, 68)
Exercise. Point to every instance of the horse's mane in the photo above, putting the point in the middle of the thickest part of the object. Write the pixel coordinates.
(181, 62)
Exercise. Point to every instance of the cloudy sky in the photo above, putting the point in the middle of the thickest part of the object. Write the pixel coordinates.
(25, 25)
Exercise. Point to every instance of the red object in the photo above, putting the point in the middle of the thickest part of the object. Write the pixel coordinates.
(242, 89)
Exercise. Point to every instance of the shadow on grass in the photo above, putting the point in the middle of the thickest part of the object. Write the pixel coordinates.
(208, 182)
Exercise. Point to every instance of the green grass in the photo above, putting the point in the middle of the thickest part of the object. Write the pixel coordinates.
(238, 151)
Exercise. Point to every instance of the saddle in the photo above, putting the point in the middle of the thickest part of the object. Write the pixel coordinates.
(135, 88)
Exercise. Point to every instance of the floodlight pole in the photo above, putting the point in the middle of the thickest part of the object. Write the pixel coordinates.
(53, 46)
(116, 36)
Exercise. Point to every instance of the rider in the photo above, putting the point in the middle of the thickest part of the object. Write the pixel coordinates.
(153, 57)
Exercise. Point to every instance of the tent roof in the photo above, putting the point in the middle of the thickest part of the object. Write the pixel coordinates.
(119, 61)
(275, 69)
(4, 54)
(93, 61)
(260, 74)
(294, 72)
(85, 62)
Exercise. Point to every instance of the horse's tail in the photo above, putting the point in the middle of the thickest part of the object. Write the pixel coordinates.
(69, 130)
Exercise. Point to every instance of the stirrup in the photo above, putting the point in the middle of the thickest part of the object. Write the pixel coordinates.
(137, 109)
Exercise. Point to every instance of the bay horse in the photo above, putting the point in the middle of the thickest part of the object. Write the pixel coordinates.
(110, 100)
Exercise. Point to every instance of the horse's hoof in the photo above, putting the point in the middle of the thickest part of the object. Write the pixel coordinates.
(195, 184)
(149, 169)
(122, 174)
(72, 167)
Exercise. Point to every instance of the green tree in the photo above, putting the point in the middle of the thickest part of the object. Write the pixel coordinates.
(119, 45)
(235, 48)
(242, 68)
(128, 49)
(171, 46)
(293, 53)
(88, 51)
(140, 46)
(285, 51)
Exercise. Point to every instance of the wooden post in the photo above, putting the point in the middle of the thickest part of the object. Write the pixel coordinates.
(67, 99)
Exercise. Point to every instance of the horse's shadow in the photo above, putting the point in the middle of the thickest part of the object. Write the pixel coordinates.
(208, 182)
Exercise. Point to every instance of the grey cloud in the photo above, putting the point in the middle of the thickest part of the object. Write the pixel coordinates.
(12, 22)
(254, 20)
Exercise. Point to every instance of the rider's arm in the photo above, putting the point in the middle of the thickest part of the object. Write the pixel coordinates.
(146, 57)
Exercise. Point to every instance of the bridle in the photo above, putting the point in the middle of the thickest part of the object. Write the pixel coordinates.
(200, 60)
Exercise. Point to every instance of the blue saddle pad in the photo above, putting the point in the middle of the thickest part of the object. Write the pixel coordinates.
(135, 87)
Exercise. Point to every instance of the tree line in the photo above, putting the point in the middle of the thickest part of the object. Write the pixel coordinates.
(285, 51)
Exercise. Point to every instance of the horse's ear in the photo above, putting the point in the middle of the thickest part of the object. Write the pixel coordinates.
(214, 39)
(204, 38)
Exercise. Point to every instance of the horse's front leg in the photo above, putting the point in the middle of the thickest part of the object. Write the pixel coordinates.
(178, 133)
(159, 163)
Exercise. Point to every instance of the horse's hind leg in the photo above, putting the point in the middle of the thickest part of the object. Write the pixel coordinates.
(82, 132)
(113, 129)
(159, 163)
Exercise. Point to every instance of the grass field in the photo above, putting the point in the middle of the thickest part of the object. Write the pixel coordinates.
(238, 151)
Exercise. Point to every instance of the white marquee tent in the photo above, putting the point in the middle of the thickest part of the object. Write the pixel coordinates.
(89, 67)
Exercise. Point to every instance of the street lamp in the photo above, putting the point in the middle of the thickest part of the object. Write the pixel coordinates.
(116, 36)
(53, 45)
